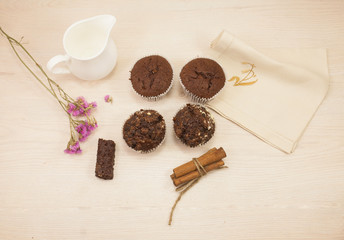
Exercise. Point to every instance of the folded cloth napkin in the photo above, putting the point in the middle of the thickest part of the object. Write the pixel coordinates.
(280, 95)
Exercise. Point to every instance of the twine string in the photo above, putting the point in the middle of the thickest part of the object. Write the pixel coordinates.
(185, 187)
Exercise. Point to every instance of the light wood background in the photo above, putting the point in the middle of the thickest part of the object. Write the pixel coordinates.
(264, 194)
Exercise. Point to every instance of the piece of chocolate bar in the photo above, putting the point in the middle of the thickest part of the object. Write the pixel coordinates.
(105, 158)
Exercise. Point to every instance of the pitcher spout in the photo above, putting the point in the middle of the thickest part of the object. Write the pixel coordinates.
(106, 22)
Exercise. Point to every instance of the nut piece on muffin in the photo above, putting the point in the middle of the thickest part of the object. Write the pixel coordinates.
(144, 131)
(202, 79)
(151, 77)
(193, 125)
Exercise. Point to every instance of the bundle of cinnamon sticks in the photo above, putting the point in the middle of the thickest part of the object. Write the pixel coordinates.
(210, 160)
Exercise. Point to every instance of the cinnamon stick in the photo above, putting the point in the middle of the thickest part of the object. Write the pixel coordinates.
(182, 169)
(192, 171)
(195, 174)
(213, 155)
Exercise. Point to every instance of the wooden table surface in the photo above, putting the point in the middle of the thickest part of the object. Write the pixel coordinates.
(264, 194)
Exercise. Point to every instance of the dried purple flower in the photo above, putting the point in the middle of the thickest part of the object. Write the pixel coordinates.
(94, 104)
(73, 148)
(85, 129)
(71, 108)
(108, 98)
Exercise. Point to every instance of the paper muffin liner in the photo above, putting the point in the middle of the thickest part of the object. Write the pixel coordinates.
(194, 97)
(152, 98)
(211, 116)
(149, 150)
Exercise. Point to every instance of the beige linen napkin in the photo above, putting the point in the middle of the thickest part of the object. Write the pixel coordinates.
(290, 85)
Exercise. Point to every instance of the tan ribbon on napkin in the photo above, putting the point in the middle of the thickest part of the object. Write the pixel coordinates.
(278, 102)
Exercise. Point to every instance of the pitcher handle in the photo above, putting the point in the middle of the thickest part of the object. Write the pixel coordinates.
(51, 65)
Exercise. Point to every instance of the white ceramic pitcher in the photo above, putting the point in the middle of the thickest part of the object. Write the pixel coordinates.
(91, 54)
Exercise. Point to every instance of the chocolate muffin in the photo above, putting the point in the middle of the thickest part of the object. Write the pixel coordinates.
(151, 77)
(194, 125)
(202, 79)
(144, 131)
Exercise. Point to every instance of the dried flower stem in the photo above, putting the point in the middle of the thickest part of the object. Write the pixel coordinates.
(56, 91)
(13, 42)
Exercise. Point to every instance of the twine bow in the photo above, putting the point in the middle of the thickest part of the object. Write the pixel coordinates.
(184, 188)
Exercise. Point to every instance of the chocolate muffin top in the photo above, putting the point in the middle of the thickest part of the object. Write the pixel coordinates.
(151, 76)
(144, 130)
(194, 125)
(203, 77)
